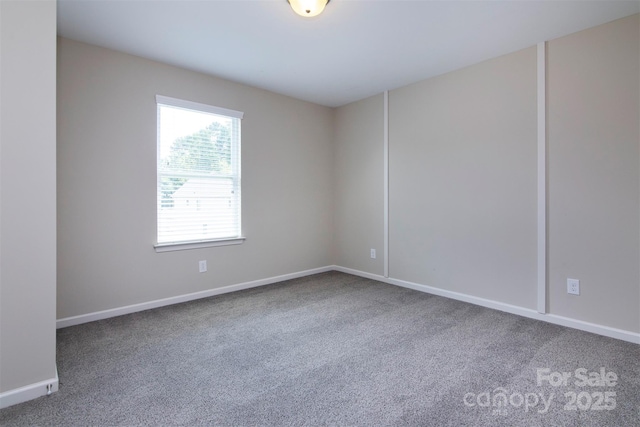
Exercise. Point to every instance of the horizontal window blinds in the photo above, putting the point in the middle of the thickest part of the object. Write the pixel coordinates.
(198, 164)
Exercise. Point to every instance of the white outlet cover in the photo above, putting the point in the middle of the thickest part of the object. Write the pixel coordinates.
(202, 266)
(573, 286)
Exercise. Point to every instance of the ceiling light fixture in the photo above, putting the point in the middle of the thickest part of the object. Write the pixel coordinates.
(308, 8)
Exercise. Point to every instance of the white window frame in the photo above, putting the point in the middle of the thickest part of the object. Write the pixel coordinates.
(195, 244)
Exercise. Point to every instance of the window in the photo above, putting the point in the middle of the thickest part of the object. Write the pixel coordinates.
(198, 188)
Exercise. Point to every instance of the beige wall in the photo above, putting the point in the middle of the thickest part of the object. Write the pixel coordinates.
(358, 161)
(462, 178)
(462, 150)
(594, 205)
(107, 183)
(28, 193)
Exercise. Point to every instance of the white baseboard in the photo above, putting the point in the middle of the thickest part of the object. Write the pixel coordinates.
(105, 314)
(496, 305)
(606, 331)
(29, 392)
(371, 276)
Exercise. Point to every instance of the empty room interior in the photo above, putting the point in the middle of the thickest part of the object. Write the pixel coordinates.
(435, 213)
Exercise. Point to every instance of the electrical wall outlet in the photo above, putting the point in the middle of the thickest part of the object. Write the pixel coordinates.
(573, 286)
(202, 266)
(373, 254)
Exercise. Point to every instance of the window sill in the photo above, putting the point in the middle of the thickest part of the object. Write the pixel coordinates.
(183, 246)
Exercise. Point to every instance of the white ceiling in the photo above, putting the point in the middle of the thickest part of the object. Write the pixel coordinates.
(355, 49)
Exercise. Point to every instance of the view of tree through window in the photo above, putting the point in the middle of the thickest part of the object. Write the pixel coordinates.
(207, 150)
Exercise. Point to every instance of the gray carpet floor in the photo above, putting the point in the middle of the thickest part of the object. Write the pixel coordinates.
(334, 349)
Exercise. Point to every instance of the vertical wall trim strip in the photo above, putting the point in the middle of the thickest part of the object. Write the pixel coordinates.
(542, 178)
(386, 182)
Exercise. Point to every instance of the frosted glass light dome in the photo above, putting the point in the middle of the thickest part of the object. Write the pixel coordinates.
(308, 8)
